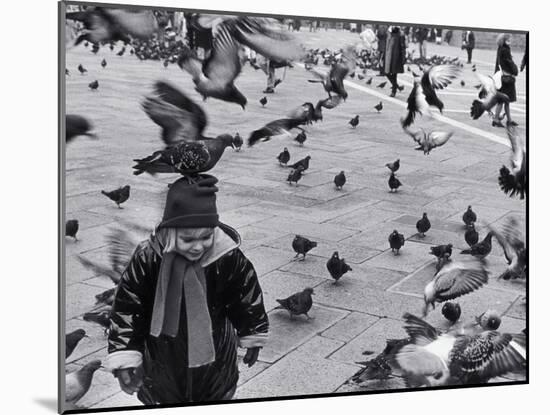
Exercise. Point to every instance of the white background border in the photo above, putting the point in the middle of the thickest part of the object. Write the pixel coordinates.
(28, 95)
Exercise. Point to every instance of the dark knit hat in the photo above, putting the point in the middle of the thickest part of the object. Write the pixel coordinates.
(191, 203)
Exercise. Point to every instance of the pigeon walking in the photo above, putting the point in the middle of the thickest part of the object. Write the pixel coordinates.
(442, 253)
(119, 196)
(396, 240)
(82, 69)
(71, 228)
(72, 339)
(103, 63)
(369, 81)
(354, 122)
(469, 217)
(263, 101)
(378, 107)
(94, 85)
(394, 183)
(302, 163)
(340, 180)
(78, 383)
(297, 304)
(337, 266)
(284, 157)
(423, 225)
(301, 138)
(471, 236)
(394, 166)
(382, 84)
(295, 175)
(237, 142)
(302, 246)
(481, 249)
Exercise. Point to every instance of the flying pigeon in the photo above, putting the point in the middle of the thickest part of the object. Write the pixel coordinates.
(119, 196)
(275, 128)
(428, 141)
(76, 125)
(489, 96)
(514, 181)
(510, 237)
(302, 246)
(423, 94)
(396, 240)
(334, 80)
(337, 266)
(454, 280)
(299, 303)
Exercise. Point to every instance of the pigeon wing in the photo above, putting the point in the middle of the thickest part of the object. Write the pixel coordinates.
(441, 76)
(122, 245)
(509, 354)
(138, 23)
(438, 138)
(518, 148)
(459, 278)
(223, 65)
(330, 103)
(416, 360)
(420, 332)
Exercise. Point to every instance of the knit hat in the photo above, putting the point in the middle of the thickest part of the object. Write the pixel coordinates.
(191, 203)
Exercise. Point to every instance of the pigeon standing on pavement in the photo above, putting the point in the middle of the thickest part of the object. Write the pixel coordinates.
(382, 84)
(263, 101)
(394, 183)
(469, 217)
(442, 253)
(378, 107)
(396, 240)
(303, 163)
(340, 180)
(481, 249)
(237, 142)
(453, 280)
(284, 157)
(72, 339)
(301, 138)
(471, 236)
(78, 383)
(103, 63)
(94, 85)
(82, 69)
(423, 225)
(119, 195)
(295, 175)
(394, 166)
(354, 122)
(302, 246)
(71, 228)
(299, 303)
(337, 266)
(369, 81)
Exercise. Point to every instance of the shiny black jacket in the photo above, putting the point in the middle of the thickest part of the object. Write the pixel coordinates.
(236, 308)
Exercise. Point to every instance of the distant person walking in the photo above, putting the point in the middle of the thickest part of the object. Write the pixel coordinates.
(395, 56)
(422, 39)
(468, 43)
(505, 63)
(382, 35)
(448, 36)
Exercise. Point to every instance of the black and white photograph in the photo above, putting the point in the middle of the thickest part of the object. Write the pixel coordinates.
(259, 206)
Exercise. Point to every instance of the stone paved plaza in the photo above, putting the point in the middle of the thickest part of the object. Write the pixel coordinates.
(365, 308)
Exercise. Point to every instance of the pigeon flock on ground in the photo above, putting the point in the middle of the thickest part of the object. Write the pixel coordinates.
(428, 356)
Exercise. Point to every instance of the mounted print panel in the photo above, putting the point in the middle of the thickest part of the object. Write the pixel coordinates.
(261, 207)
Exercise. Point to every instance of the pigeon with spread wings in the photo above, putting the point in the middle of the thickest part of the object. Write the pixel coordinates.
(428, 141)
(514, 182)
(102, 24)
(334, 80)
(423, 94)
(188, 152)
(513, 244)
(488, 97)
(455, 279)
(433, 358)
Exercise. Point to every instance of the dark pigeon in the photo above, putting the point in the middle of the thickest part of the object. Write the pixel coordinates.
(302, 246)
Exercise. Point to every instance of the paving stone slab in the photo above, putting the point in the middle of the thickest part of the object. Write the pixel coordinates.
(243, 216)
(320, 346)
(278, 284)
(373, 339)
(364, 218)
(246, 373)
(324, 231)
(355, 295)
(411, 256)
(95, 341)
(79, 299)
(350, 327)
(286, 334)
(267, 259)
(120, 399)
(373, 385)
(252, 237)
(518, 309)
(303, 375)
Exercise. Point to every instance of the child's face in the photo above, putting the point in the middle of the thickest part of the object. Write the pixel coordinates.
(193, 243)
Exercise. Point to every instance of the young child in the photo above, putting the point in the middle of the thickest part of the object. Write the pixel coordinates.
(188, 297)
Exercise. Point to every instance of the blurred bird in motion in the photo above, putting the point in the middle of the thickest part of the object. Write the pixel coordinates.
(428, 141)
(514, 181)
(510, 237)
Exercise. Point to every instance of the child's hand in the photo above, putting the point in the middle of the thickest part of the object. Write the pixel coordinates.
(130, 379)
(251, 356)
